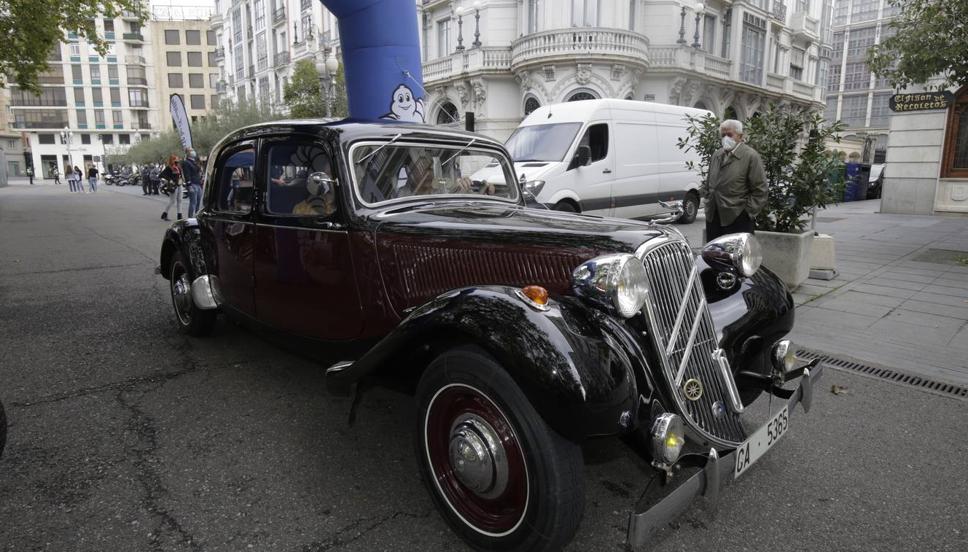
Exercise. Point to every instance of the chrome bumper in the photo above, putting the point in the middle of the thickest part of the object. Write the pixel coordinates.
(715, 472)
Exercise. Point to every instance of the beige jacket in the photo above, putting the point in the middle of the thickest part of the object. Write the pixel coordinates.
(736, 182)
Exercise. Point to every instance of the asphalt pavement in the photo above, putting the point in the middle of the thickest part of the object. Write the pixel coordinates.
(126, 435)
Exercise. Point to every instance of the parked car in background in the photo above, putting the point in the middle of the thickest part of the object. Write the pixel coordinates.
(875, 182)
(524, 334)
(607, 157)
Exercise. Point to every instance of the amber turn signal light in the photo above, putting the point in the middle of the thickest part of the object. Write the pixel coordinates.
(537, 294)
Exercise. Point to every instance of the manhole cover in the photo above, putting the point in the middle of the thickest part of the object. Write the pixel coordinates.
(942, 256)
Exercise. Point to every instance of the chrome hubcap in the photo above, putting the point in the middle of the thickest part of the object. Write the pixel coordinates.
(181, 293)
(477, 456)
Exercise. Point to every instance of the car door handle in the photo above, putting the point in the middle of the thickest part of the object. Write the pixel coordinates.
(607, 171)
(328, 225)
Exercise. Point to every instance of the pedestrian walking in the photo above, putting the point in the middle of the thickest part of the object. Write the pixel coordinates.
(92, 177)
(145, 180)
(735, 189)
(171, 175)
(192, 175)
(155, 182)
(55, 174)
(30, 174)
(71, 178)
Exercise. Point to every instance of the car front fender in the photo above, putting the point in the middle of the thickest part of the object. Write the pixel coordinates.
(576, 370)
(183, 236)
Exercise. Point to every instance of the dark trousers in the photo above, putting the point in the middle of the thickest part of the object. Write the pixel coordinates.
(714, 229)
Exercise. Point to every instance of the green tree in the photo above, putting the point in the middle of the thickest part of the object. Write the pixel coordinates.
(302, 93)
(31, 29)
(931, 41)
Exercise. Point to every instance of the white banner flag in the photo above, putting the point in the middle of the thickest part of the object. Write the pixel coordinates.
(180, 117)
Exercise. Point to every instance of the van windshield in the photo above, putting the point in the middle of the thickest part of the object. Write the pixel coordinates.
(542, 142)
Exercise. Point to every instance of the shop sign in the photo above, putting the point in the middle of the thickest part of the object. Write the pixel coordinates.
(921, 101)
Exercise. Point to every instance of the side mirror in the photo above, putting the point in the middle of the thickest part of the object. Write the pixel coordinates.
(583, 156)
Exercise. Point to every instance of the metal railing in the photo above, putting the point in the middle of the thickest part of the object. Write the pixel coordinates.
(133, 37)
(279, 15)
(281, 58)
(134, 60)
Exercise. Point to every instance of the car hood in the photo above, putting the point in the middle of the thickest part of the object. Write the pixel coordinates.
(529, 170)
(428, 250)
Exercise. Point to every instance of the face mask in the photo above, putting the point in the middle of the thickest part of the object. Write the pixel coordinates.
(728, 143)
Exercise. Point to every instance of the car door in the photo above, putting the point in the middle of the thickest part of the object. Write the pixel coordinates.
(592, 181)
(303, 265)
(227, 219)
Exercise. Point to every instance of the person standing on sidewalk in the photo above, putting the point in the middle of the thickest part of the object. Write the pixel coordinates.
(92, 177)
(70, 177)
(172, 175)
(192, 174)
(735, 189)
(79, 179)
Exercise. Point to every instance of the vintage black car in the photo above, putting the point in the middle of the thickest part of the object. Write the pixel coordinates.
(523, 332)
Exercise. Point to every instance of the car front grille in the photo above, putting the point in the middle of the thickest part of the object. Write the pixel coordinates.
(678, 314)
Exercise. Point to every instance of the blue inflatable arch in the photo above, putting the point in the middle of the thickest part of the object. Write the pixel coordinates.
(381, 58)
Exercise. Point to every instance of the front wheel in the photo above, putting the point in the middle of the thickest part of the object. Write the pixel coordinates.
(499, 475)
(690, 208)
(191, 319)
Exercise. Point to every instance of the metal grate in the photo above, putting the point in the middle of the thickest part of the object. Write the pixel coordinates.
(933, 386)
(685, 338)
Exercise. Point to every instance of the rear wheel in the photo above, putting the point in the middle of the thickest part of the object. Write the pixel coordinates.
(690, 208)
(566, 206)
(191, 319)
(499, 475)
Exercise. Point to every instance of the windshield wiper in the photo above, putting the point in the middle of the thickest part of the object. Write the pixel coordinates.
(449, 159)
(372, 153)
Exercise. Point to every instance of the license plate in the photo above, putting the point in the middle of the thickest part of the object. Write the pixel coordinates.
(761, 441)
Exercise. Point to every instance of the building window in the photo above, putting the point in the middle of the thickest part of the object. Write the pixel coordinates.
(197, 101)
(172, 37)
(124, 139)
(193, 38)
(213, 80)
(727, 31)
(854, 111)
(863, 10)
(838, 46)
(212, 60)
(81, 118)
(840, 12)
(173, 59)
(237, 25)
(116, 117)
(49, 97)
(107, 138)
(260, 14)
(239, 63)
(443, 37)
(136, 75)
(857, 76)
(196, 80)
(533, 16)
(584, 13)
(261, 51)
(448, 114)
(210, 38)
(821, 79)
(797, 63)
(880, 110)
(78, 96)
(830, 113)
(99, 118)
(109, 25)
(709, 34)
(46, 139)
(307, 26)
(96, 97)
(955, 159)
(113, 74)
(95, 74)
(530, 105)
(137, 97)
(581, 95)
(115, 97)
(194, 59)
(860, 41)
(175, 80)
(754, 41)
(85, 138)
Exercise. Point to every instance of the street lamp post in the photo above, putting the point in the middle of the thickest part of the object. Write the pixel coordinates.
(695, 37)
(327, 65)
(682, 26)
(477, 24)
(460, 29)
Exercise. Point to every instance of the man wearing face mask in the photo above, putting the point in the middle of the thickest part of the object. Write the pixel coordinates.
(735, 189)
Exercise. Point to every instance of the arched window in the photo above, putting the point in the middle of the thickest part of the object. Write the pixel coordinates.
(955, 161)
(700, 105)
(530, 105)
(447, 114)
(730, 113)
(581, 95)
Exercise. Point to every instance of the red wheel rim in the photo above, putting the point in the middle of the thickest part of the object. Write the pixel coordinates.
(499, 510)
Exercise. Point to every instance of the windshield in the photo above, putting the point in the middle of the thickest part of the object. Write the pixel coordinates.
(387, 171)
(542, 142)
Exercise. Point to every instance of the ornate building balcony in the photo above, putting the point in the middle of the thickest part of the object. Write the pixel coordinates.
(582, 44)
(473, 62)
(804, 27)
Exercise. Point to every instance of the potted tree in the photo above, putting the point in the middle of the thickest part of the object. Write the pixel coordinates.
(792, 145)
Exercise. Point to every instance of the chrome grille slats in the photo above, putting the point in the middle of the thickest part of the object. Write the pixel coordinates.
(668, 264)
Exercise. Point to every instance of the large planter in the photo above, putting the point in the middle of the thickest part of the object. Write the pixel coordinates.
(787, 255)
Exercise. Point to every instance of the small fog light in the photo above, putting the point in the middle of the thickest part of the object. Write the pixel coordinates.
(784, 356)
(668, 436)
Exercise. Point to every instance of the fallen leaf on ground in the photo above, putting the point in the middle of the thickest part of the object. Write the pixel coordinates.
(838, 390)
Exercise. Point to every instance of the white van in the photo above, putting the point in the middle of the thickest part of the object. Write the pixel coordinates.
(607, 157)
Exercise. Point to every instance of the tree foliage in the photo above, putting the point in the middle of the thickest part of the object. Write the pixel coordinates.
(800, 172)
(207, 132)
(31, 29)
(931, 41)
(304, 96)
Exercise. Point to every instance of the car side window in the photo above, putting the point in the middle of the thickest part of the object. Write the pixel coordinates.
(301, 180)
(234, 191)
(596, 138)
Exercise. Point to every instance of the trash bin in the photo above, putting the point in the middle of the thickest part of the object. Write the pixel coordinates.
(855, 179)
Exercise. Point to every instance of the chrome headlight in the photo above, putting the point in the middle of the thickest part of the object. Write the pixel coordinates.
(534, 187)
(668, 436)
(739, 252)
(784, 356)
(617, 282)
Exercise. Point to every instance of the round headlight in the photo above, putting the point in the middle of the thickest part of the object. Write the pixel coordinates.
(631, 289)
(734, 252)
(668, 437)
(751, 256)
(617, 282)
(784, 356)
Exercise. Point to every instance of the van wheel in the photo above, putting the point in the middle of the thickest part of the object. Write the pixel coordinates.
(690, 208)
(566, 206)
(501, 478)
